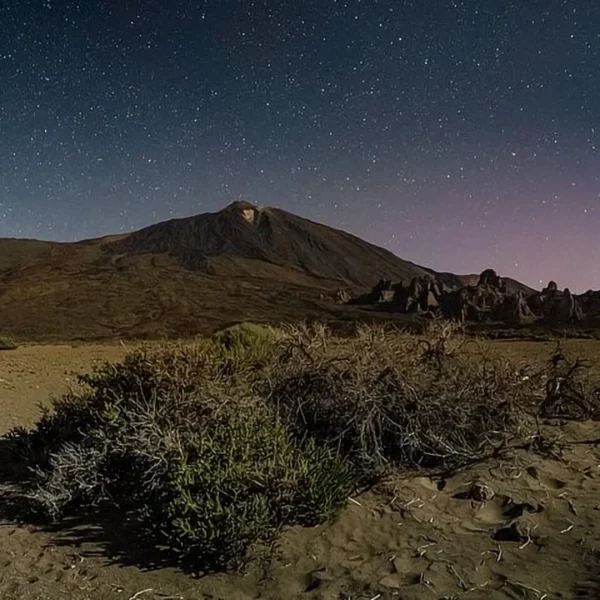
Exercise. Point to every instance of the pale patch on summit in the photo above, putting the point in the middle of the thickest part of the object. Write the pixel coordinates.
(249, 214)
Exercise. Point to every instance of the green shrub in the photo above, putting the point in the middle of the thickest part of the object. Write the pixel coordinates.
(237, 484)
(247, 334)
(253, 342)
(7, 343)
(199, 464)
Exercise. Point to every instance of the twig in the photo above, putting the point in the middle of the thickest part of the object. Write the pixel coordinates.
(137, 594)
(568, 528)
(527, 541)
(527, 587)
(461, 581)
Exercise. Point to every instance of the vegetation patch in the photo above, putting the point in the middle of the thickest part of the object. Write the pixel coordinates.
(211, 450)
(7, 343)
(200, 466)
(387, 400)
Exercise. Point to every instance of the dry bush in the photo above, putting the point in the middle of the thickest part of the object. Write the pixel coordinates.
(212, 449)
(387, 399)
(570, 392)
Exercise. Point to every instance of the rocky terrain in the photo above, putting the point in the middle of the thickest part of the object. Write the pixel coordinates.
(491, 300)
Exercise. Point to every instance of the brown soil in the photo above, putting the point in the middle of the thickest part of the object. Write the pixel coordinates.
(412, 538)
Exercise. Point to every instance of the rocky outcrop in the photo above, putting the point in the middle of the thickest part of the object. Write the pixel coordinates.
(382, 293)
(589, 302)
(515, 310)
(488, 301)
(556, 306)
(491, 278)
(421, 295)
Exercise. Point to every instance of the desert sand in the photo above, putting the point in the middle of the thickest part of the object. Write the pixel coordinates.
(415, 537)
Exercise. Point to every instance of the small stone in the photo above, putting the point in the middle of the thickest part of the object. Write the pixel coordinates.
(390, 582)
(480, 492)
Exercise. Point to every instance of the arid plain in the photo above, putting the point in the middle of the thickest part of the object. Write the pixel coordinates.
(405, 539)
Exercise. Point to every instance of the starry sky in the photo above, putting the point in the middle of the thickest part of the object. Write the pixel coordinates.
(459, 134)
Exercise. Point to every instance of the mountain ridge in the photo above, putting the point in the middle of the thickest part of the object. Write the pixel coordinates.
(271, 235)
(190, 275)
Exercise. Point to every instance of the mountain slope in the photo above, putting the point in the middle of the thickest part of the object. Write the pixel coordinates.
(244, 232)
(188, 276)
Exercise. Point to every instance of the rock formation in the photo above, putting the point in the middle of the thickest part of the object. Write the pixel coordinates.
(421, 295)
(488, 301)
(491, 278)
(556, 306)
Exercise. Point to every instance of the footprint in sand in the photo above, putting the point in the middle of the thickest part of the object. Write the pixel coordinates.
(547, 482)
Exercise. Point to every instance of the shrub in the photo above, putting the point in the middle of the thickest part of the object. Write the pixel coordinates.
(571, 392)
(212, 449)
(200, 465)
(388, 400)
(7, 343)
(253, 342)
(247, 335)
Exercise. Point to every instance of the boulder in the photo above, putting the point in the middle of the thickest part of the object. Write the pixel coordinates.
(491, 278)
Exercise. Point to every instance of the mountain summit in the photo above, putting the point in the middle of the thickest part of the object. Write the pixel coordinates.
(245, 232)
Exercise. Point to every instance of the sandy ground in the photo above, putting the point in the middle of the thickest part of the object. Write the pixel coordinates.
(414, 538)
(33, 374)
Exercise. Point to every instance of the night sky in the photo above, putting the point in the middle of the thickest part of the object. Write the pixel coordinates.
(459, 134)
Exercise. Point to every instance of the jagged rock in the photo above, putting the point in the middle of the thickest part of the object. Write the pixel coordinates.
(514, 310)
(589, 305)
(490, 277)
(564, 308)
(422, 295)
(556, 306)
(488, 301)
(383, 292)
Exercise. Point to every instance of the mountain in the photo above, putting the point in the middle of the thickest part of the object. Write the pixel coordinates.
(187, 276)
(242, 234)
